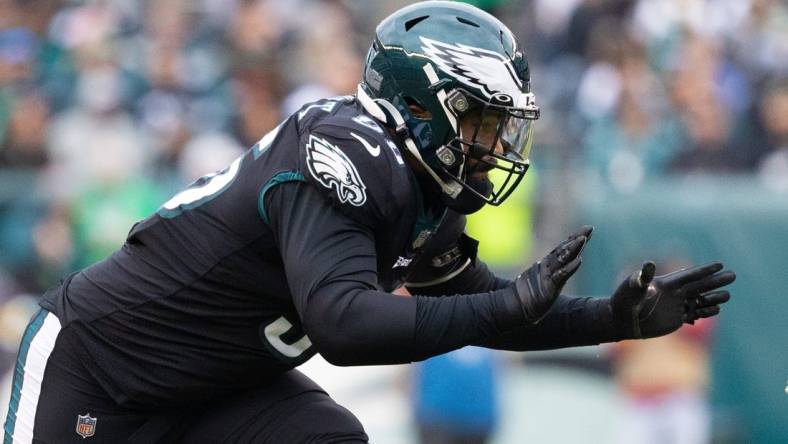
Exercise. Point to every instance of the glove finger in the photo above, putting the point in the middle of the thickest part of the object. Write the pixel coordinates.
(707, 312)
(561, 276)
(586, 231)
(713, 298)
(563, 254)
(641, 279)
(571, 251)
(710, 283)
(633, 290)
(691, 274)
(696, 313)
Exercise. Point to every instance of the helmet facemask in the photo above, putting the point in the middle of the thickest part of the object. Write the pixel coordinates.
(489, 134)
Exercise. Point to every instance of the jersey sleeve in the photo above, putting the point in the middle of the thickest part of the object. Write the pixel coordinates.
(573, 321)
(449, 265)
(329, 261)
(352, 170)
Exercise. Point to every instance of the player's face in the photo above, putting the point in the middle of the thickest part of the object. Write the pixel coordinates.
(485, 135)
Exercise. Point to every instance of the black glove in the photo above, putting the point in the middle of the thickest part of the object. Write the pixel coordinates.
(539, 286)
(645, 306)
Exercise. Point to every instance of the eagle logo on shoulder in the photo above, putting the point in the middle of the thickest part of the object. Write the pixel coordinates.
(333, 169)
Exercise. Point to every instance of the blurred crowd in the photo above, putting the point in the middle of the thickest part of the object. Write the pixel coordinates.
(108, 107)
(654, 87)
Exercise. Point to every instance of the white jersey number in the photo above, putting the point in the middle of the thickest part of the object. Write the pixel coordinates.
(204, 188)
(300, 350)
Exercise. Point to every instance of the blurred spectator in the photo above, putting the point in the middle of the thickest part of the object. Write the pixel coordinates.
(698, 90)
(773, 113)
(664, 382)
(257, 29)
(455, 397)
(258, 36)
(24, 142)
(53, 246)
(759, 42)
(18, 255)
(631, 134)
(163, 109)
(95, 138)
(205, 154)
(331, 60)
(588, 15)
(258, 91)
(18, 49)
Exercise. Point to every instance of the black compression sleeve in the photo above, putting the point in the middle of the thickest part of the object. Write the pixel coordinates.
(330, 265)
(571, 322)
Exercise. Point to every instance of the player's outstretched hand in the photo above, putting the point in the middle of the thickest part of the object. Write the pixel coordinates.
(539, 286)
(646, 306)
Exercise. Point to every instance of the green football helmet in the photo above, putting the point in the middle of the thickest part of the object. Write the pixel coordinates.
(453, 62)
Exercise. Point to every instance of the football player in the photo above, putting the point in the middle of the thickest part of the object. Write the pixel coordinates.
(192, 331)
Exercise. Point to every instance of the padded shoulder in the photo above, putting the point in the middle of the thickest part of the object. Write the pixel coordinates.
(355, 164)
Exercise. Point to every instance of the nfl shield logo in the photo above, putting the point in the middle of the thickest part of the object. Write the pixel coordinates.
(86, 425)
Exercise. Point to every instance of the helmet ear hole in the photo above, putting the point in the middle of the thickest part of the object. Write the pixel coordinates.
(413, 22)
(467, 22)
(418, 110)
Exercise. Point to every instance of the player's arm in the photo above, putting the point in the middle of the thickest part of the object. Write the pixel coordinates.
(643, 306)
(571, 322)
(450, 266)
(576, 321)
(331, 268)
(330, 263)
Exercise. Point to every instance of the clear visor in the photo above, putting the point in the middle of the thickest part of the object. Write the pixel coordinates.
(504, 132)
(517, 137)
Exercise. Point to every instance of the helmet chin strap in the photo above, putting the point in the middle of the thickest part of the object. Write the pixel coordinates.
(378, 108)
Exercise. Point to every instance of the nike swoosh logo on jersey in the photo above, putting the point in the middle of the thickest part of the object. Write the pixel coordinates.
(374, 150)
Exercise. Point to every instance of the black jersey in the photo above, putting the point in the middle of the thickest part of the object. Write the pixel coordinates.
(211, 293)
(292, 250)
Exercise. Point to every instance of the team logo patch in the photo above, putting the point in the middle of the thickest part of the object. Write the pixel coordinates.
(402, 262)
(333, 169)
(86, 425)
(476, 67)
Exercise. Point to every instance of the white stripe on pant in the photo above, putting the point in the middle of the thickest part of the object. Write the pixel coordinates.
(33, 374)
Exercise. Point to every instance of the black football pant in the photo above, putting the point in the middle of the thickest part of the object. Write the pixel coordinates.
(54, 399)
